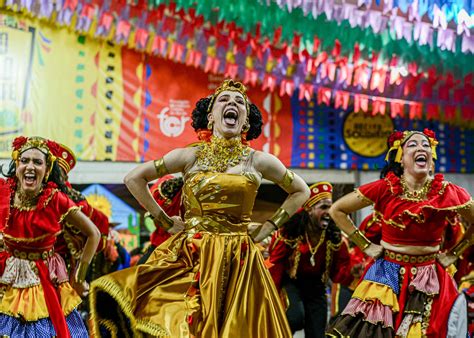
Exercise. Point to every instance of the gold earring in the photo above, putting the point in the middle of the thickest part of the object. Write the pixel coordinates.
(209, 125)
(246, 126)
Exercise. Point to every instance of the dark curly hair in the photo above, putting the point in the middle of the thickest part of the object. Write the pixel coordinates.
(75, 195)
(295, 227)
(170, 187)
(200, 121)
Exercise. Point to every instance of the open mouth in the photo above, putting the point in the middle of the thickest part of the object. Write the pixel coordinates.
(30, 178)
(421, 159)
(231, 117)
(325, 221)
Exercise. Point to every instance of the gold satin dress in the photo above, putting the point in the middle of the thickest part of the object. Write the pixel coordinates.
(206, 281)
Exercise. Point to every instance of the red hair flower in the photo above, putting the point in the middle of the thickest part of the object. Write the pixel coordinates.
(53, 147)
(396, 135)
(19, 142)
(429, 133)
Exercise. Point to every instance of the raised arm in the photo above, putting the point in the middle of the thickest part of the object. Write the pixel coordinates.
(340, 212)
(272, 169)
(137, 179)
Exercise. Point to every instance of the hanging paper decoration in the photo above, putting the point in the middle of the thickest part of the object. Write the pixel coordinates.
(330, 60)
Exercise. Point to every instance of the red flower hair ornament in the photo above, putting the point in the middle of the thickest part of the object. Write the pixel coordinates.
(398, 138)
(22, 144)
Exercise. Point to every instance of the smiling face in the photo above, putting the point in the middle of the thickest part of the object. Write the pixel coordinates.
(319, 213)
(31, 170)
(417, 158)
(229, 113)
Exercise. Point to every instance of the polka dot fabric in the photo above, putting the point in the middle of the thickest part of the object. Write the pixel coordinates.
(13, 327)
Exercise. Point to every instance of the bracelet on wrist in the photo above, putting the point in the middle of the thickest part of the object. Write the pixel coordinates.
(461, 247)
(358, 238)
(272, 223)
(165, 221)
(81, 272)
(279, 218)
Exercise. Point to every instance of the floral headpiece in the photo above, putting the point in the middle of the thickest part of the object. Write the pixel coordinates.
(233, 86)
(398, 138)
(48, 147)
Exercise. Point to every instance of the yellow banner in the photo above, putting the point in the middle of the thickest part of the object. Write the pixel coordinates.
(56, 84)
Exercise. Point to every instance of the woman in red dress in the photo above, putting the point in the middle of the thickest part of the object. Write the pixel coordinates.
(36, 298)
(407, 290)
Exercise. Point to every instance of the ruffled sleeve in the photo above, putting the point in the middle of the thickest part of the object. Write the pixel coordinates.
(64, 205)
(451, 197)
(372, 191)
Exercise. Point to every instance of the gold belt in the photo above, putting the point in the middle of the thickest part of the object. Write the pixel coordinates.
(32, 256)
(413, 259)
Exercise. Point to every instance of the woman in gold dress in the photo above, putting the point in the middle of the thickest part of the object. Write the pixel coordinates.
(209, 279)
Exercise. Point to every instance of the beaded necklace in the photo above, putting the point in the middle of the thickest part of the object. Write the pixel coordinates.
(27, 202)
(415, 195)
(219, 154)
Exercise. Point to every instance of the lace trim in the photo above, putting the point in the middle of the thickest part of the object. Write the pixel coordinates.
(362, 197)
(70, 210)
(20, 273)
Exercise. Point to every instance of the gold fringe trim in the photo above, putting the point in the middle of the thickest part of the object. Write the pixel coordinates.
(138, 326)
(362, 197)
(420, 218)
(71, 209)
(31, 239)
(110, 326)
(466, 205)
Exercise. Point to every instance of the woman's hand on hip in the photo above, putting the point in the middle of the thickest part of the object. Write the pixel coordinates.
(262, 232)
(446, 259)
(178, 225)
(374, 250)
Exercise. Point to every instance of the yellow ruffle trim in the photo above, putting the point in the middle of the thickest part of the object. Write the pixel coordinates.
(139, 326)
(370, 291)
(30, 305)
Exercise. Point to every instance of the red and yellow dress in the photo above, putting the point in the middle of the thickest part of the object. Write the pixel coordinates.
(206, 281)
(403, 295)
(36, 298)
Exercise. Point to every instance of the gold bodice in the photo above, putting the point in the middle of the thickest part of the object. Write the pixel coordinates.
(219, 202)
